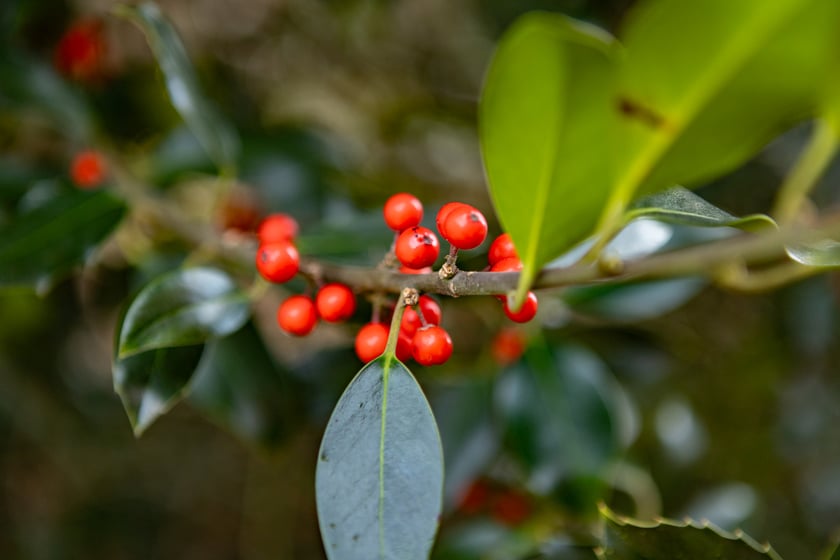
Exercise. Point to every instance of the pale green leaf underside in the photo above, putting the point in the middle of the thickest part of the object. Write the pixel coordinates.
(544, 115)
(664, 539)
(379, 480)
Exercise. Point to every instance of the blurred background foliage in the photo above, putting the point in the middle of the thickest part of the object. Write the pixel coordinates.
(661, 398)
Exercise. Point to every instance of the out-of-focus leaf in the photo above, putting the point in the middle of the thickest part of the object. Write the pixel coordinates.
(680, 206)
(214, 133)
(239, 386)
(831, 553)
(41, 245)
(379, 480)
(705, 85)
(629, 539)
(545, 110)
(558, 415)
(151, 383)
(30, 84)
(632, 301)
(469, 439)
(183, 308)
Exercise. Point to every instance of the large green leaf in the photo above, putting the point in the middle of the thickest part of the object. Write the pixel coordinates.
(544, 116)
(628, 539)
(183, 308)
(379, 480)
(559, 414)
(239, 386)
(151, 383)
(706, 84)
(214, 133)
(49, 241)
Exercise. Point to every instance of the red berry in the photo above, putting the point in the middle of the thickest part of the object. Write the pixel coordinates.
(526, 312)
(88, 169)
(508, 346)
(278, 262)
(411, 318)
(501, 248)
(335, 303)
(370, 341)
(510, 508)
(277, 227)
(444, 212)
(81, 51)
(404, 346)
(465, 227)
(407, 270)
(297, 315)
(475, 498)
(417, 247)
(510, 264)
(431, 346)
(402, 211)
(239, 212)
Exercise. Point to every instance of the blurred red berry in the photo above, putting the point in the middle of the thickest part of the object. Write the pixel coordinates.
(417, 247)
(297, 315)
(278, 262)
(508, 346)
(335, 302)
(80, 52)
(510, 508)
(475, 499)
(277, 227)
(501, 248)
(402, 211)
(239, 212)
(88, 169)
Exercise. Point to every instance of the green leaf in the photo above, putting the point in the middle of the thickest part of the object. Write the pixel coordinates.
(628, 539)
(706, 84)
(632, 301)
(151, 383)
(184, 308)
(559, 416)
(28, 83)
(544, 114)
(49, 241)
(680, 206)
(238, 386)
(379, 480)
(215, 134)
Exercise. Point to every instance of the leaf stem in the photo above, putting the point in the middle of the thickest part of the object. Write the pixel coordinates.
(408, 296)
(802, 178)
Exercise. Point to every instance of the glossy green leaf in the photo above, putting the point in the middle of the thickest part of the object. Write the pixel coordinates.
(544, 114)
(30, 84)
(379, 480)
(214, 133)
(628, 539)
(151, 383)
(680, 206)
(558, 414)
(182, 308)
(238, 386)
(49, 241)
(705, 85)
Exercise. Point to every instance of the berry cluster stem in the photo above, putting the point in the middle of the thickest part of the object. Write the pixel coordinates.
(449, 269)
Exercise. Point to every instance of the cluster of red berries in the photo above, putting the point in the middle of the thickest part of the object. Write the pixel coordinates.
(417, 248)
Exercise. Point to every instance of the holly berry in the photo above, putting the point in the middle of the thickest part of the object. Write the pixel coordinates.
(526, 312)
(510, 508)
(370, 341)
(277, 227)
(278, 262)
(88, 169)
(411, 318)
(443, 213)
(407, 270)
(404, 346)
(508, 346)
(81, 50)
(501, 248)
(417, 247)
(431, 346)
(297, 315)
(510, 264)
(475, 498)
(465, 227)
(335, 302)
(402, 211)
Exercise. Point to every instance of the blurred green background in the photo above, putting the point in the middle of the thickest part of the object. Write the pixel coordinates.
(670, 398)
